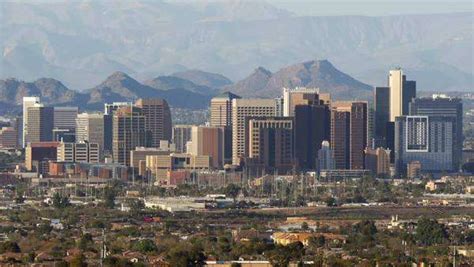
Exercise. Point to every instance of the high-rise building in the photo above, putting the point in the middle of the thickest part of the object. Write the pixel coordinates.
(128, 133)
(27, 102)
(427, 139)
(157, 120)
(349, 134)
(37, 154)
(382, 113)
(221, 109)
(444, 107)
(270, 143)
(325, 157)
(78, 152)
(378, 161)
(298, 96)
(242, 110)
(401, 93)
(208, 141)
(65, 117)
(181, 135)
(8, 137)
(90, 128)
(40, 123)
(312, 127)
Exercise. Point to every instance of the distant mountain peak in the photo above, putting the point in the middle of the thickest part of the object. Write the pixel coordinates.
(262, 70)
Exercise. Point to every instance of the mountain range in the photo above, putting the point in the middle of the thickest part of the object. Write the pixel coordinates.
(190, 89)
(81, 42)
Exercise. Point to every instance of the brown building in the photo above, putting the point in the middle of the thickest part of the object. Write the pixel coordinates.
(298, 96)
(349, 134)
(8, 137)
(138, 157)
(208, 141)
(40, 124)
(413, 169)
(378, 161)
(128, 133)
(221, 109)
(157, 120)
(160, 165)
(39, 153)
(270, 143)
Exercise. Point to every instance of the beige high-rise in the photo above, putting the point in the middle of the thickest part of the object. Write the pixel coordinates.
(90, 128)
(27, 103)
(242, 110)
(298, 96)
(221, 109)
(395, 82)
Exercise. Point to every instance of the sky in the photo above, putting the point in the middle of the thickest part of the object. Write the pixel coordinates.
(372, 7)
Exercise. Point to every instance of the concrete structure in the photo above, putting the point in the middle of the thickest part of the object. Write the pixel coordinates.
(40, 124)
(349, 134)
(181, 135)
(428, 140)
(8, 137)
(382, 113)
(444, 107)
(208, 141)
(378, 161)
(90, 128)
(83, 152)
(27, 103)
(65, 117)
(109, 109)
(325, 159)
(128, 133)
(270, 143)
(157, 120)
(160, 165)
(139, 154)
(242, 109)
(298, 96)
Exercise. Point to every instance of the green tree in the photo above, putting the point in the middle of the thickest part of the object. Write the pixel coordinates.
(304, 226)
(232, 190)
(78, 261)
(430, 232)
(85, 240)
(145, 246)
(9, 246)
(109, 197)
(186, 255)
(60, 202)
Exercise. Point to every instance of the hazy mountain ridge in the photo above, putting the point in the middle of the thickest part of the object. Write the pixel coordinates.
(315, 73)
(82, 42)
(182, 93)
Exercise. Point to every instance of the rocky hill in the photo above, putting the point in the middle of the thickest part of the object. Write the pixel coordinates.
(316, 73)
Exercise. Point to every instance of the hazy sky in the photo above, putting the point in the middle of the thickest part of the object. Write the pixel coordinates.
(373, 7)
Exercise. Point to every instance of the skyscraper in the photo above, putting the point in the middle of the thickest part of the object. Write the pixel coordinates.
(181, 135)
(242, 109)
(382, 113)
(298, 96)
(402, 92)
(221, 109)
(128, 133)
(312, 127)
(349, 134)
(157, 120)
(427, 139)
(40, 124)
(378, 161)
(270, 142)
(65, 117)
(27, 102)
(444, 107)
(90, 128)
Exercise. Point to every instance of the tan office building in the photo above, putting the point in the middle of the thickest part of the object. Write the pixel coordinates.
(127, 134)
(221, 109)
(242, 110)
(40, 124)
(90, 128)
(157, 120)
(298, 96)
(208, 141)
